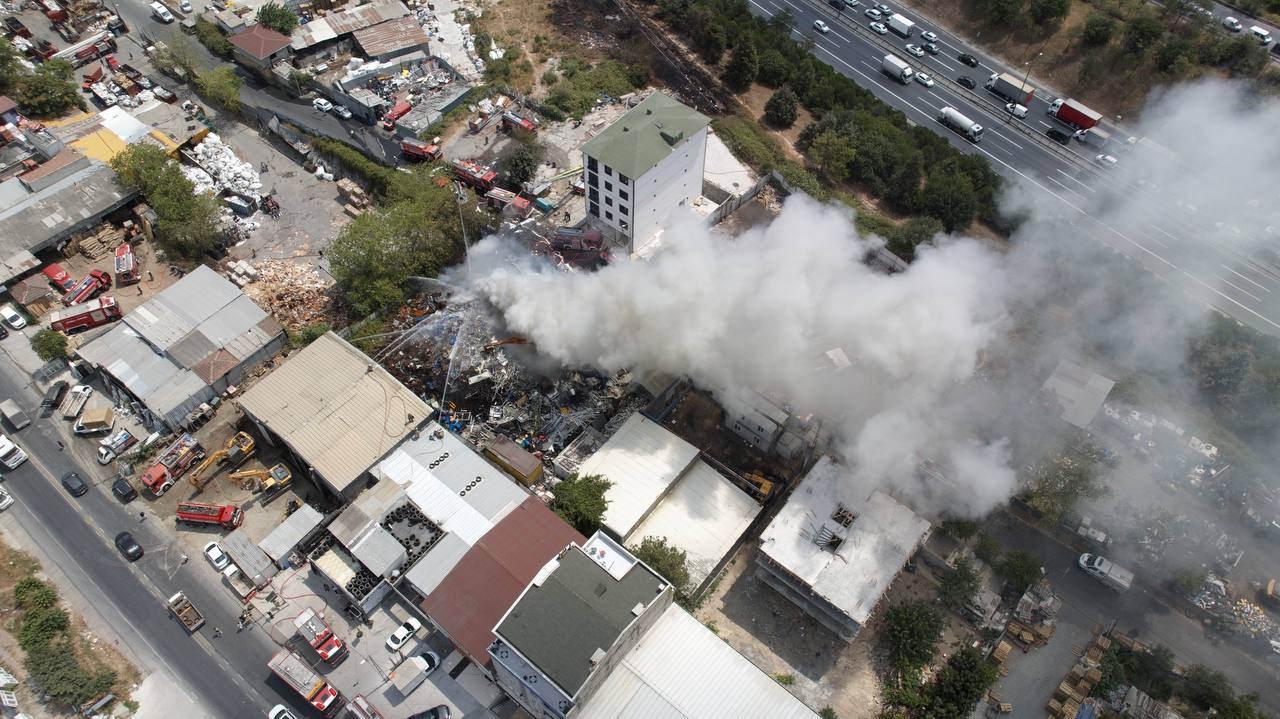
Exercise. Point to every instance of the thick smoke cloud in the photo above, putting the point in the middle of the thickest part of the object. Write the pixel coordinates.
(762, 310)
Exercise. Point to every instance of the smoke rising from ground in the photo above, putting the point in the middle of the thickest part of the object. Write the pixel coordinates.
(762, 310)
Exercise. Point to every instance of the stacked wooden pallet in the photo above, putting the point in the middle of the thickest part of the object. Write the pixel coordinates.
(101, 243)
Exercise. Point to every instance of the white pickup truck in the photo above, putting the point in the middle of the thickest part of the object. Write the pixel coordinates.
(1106, 571)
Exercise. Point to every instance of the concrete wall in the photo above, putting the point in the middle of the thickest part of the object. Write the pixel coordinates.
(798, 594)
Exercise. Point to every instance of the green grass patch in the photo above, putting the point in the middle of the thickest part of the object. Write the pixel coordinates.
(582, 85)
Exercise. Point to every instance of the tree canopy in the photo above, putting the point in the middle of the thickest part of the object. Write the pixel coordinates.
(580, 501)
(961, 683)
(958, 584)
(11, 71)
(668, 560)
(51, 90)
(49, 344)
(1020, 569)
(188, 224)
(782, 109)
(277, 17)
(519, 164)
(222, 86)
(743, 65)
(911, 635)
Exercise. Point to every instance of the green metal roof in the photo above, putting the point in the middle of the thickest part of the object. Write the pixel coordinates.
(645, 136)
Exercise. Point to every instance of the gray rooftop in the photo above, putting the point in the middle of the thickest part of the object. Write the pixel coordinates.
(577, 609)
(1079, 392)
(644, 137)
(34, 221)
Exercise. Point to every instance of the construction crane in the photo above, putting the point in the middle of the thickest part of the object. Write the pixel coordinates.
(263, 480)
(237, 449)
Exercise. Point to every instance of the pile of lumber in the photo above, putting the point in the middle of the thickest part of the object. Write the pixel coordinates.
(101, 243)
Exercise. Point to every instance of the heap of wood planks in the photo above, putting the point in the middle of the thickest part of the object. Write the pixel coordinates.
(101, 243)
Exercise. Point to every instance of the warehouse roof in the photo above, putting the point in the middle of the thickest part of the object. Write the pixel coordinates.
(876, 536)
(33, 221)
(489, 579)
(346, 22)
(580, 607)
(646, 135)
(679, 670)
(259, 41)
(642, 460)
(285, 537)
(704, 515)
(1080, 393)
(336, 408)
(390, 36)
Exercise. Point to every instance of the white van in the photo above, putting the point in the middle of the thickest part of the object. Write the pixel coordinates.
(161, 13)
(1262, 34)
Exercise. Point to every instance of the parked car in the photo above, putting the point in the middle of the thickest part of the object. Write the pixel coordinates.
(884, 9)
(924, 79)
(218, 558)
(821, 26)
(915, 50)
(967, 59)
(11, 317)
(403, 634)
(440, 712)
(185, 6)
(966, 82)
(851, 4)
(322, 104)
(879, 28)
(123, 490)
(128, 546)
(53, 396)
(1107, 161)
(6, 500)
(3, 332)
(74, 484)
(432, 659)
(281, 711)
(1232, 24)
(342, 111)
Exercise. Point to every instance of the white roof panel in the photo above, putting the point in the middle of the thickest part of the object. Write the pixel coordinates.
(642, 459)
(680, 670)
(883, 536)
(704, 515)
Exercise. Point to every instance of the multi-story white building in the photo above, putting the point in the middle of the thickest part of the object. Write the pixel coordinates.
(643, 167)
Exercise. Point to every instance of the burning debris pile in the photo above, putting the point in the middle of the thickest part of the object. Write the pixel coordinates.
(449, 353)
(1164, 537)
(294, 294)
(1239, 615)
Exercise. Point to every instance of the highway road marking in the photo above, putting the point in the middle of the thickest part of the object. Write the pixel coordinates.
(1246, 279)
(1068, 189)
(945, 65)
(1241, 289)
(1069, 177)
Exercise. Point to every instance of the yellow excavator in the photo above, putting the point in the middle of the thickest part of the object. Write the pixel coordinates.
(263, 480)
(238, 449)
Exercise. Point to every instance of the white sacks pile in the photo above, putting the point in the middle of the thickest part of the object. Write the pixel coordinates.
(228, 171)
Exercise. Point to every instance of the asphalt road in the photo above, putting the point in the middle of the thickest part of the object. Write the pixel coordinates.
(228, 673)
(1166, 243)
(1140, 614)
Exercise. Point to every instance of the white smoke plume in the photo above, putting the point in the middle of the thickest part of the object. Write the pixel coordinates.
(761, 310)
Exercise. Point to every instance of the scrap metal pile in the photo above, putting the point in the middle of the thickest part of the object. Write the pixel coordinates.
(1240, 615)
(1035, 617)
(450, 353)
(1175, 538)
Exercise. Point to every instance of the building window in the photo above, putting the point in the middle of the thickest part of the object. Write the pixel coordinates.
(608, 201)
(622, 209)
(607, 171)
(594, 210)
(608, 216)
(623, 179)
(608, 187)
(623, 195)
(595, 195)
(591, 164)
(593, 179)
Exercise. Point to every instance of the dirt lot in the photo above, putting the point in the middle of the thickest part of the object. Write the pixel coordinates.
(92, 651)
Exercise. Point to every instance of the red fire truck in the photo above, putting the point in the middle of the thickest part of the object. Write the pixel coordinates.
(318, 634)
(173, 463)
(418, 150)
(397, 111)
(82, 317)
(477, 176)
(303, 680)
(88, 286)
(228, 516)
(58, 276)
(128, 271)
(512, 121)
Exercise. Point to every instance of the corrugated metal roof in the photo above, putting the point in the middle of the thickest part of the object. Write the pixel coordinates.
(345, 22)
(432, 567)
(704, 515)
(680, 670)
(488, 580)
(168, 390)
(285, 537)
(246, 555)
(390, 36)
(1080, 393)
(339, 410)
(882, 537)
(642, 460)
(378, 551)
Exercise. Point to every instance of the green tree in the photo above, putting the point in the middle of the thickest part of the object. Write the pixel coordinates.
(519, 164)
(961, 683)
(309, 334)
(774, 68)
(911, 635)
(11, 70)
(1143, 33)
(1098, 30)
(278, 18)
(580, 501)
(1206, 688)
(832, 153)
(744, 65)
(828, 713)
(1061, 480)
(958, 584)
(51, 90)
(667, 560)
(1048, 12)
(222, 86)
(188, 223)
(1020, 569)
(210, 36)
(49, 344)
(960, 529)
(56, 671)
(41, 626)
(782, 109)
(1175, 57)
(949, 196)
(987, 549)
(31, 593)
(1002, 12)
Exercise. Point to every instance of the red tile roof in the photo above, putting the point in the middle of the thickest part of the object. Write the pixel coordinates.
(493, 573)
(260, 41)
(7, 104)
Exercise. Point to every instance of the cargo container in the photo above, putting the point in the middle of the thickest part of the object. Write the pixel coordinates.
(958, 122)
(1073, 113)
(81, 317)
(896, 68)
(95, 421)
(1011, 88)
(901, 25)
(14, 414)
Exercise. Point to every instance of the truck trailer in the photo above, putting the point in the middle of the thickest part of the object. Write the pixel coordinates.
(1075, 114)
(81, 317)
(318, 634)
(1011, 88)
(961, 124)
(184, 611)
(291, 670)
(14, 414)
(228, 516)
(901, 25)
(418, 150)
(897, 68)
(1106, 571)
(173, 463)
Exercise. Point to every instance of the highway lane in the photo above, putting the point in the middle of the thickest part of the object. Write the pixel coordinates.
(1167, 244)
(228, 674)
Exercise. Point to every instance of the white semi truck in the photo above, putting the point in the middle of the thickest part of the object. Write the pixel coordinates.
(901, 25)
(897, 68)
(952, 118)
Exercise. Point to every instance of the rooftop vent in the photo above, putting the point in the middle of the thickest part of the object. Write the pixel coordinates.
(671, 138)
(597, 656)
(637, 610)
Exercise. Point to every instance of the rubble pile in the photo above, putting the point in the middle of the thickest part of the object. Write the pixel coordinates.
(1035, 618)
(220, 169)
(296, 295)
(1164, 537)
(1239, 615)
